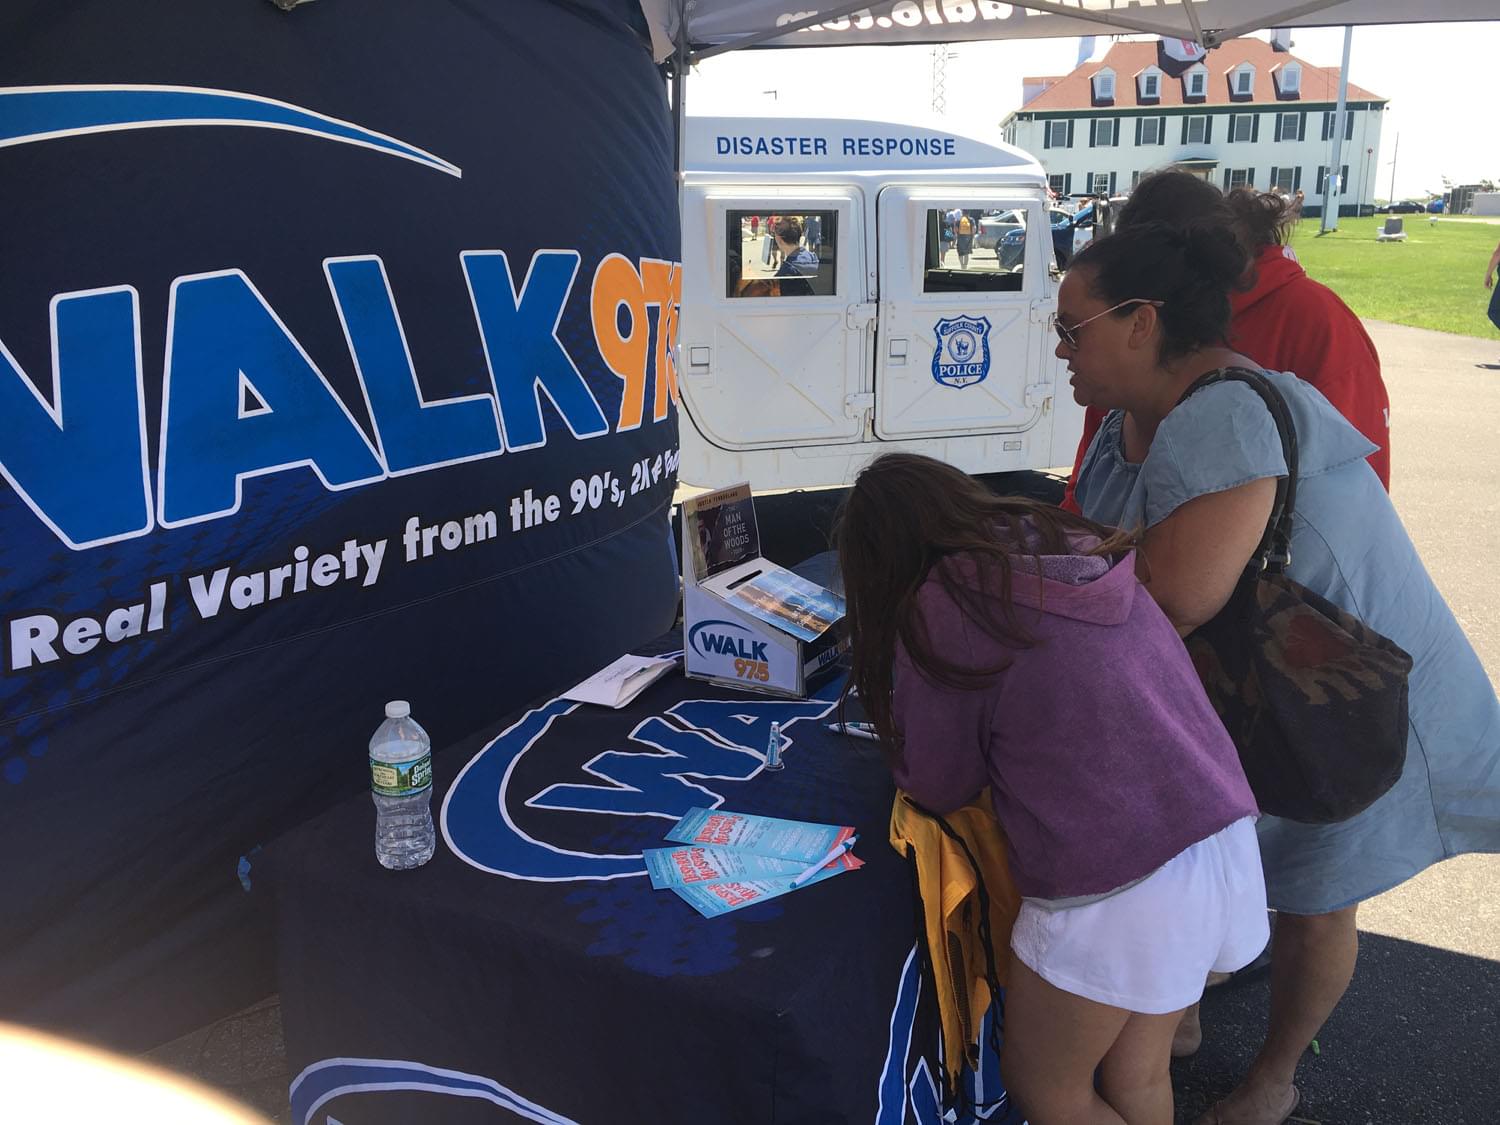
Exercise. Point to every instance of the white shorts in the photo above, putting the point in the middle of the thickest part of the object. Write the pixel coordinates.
(1150, 947)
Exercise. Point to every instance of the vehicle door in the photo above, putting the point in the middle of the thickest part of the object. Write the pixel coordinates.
(774, 347)
(960, 337)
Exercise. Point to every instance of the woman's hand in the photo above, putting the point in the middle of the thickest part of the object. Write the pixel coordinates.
(1192, 560)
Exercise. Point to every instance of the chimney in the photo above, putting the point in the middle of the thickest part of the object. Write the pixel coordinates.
(1033, 87)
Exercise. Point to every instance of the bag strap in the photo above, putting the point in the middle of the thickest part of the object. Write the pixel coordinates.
(1274, 554)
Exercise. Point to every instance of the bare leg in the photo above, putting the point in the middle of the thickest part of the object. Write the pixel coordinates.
(1189, 1035)
(1053, 1043)
(1312, 962)
(1135, 1077)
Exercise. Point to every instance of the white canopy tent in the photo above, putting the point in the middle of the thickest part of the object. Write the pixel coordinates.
(700, 29)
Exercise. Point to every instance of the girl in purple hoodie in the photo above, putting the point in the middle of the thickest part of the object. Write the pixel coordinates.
(1001, 644)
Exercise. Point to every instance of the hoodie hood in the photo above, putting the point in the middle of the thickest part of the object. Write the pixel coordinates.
(1275, 267)
(1080, 587)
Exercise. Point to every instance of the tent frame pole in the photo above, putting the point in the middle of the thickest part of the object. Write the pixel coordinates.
(1279, 19)
(680, 63)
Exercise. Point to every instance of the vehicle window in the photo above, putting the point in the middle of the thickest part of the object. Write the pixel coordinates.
(776, 254)
(974, 250)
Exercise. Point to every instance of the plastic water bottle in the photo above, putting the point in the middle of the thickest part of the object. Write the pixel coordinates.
(401, 784)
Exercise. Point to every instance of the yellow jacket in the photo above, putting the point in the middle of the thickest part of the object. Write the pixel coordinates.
(951, 893)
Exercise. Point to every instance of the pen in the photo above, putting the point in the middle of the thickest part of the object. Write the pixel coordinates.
(773, 749)
(858, 730)
(838, 850)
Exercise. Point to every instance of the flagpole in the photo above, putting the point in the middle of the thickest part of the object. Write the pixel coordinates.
(1395, 153)
(1330, 205)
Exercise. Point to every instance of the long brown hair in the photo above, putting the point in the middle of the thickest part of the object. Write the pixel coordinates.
(903, 517)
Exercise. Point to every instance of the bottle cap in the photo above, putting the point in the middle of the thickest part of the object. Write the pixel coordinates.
(397, 709)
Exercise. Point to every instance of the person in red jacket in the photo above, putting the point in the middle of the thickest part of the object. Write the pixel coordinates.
(1283, 319)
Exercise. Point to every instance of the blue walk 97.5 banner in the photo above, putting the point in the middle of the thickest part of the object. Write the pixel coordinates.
(335, 367)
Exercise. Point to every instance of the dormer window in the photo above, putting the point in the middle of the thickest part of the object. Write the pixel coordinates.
(1242, 81)
(1148, 86)
(1289, 80)
(1196, 83)
(1104, 86)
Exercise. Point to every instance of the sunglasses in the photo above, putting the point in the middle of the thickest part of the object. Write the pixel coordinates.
(1069, 336)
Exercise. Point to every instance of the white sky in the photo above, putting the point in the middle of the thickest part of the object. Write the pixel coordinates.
(1439, 79)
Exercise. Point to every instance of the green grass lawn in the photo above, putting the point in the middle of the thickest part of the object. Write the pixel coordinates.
(1435, 279)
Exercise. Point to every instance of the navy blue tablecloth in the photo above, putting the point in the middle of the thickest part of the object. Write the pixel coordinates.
(530, 972)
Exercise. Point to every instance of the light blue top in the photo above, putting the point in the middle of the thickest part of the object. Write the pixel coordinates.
(1349, 545)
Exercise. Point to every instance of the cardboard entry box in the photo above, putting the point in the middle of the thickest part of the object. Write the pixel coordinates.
(747, 622)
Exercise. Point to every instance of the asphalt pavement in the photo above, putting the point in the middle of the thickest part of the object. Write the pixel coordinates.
(1416, 1040)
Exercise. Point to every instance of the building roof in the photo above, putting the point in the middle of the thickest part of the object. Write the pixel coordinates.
(1127, 59)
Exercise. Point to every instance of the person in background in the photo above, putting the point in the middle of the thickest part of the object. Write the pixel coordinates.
(1489, 283)
(979, 624)
(797, 262)
(1142, 315)
(758, 287)
(964, 232)
(1104, 216)
(1280, 317)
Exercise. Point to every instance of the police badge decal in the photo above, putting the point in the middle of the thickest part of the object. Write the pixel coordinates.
(962, 356)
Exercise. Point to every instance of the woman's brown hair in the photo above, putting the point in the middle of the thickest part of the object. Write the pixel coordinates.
(1263, 217)
(904, 516)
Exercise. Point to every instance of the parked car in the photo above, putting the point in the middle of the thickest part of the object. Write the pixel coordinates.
(1012, 246)
(1402, 207)
(992, 228)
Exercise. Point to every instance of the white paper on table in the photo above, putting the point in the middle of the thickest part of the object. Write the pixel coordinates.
(617, 683)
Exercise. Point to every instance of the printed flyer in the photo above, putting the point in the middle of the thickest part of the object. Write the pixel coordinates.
(676, 867)
(721, 529)
(798, 840)
(790, 602)
(713, 899)
(679, 867)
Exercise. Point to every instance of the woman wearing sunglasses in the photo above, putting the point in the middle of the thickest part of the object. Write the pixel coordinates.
(1279, 315)
(1141, 315)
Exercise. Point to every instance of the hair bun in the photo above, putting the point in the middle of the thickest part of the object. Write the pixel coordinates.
(1189, 267)
(1214, 252)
